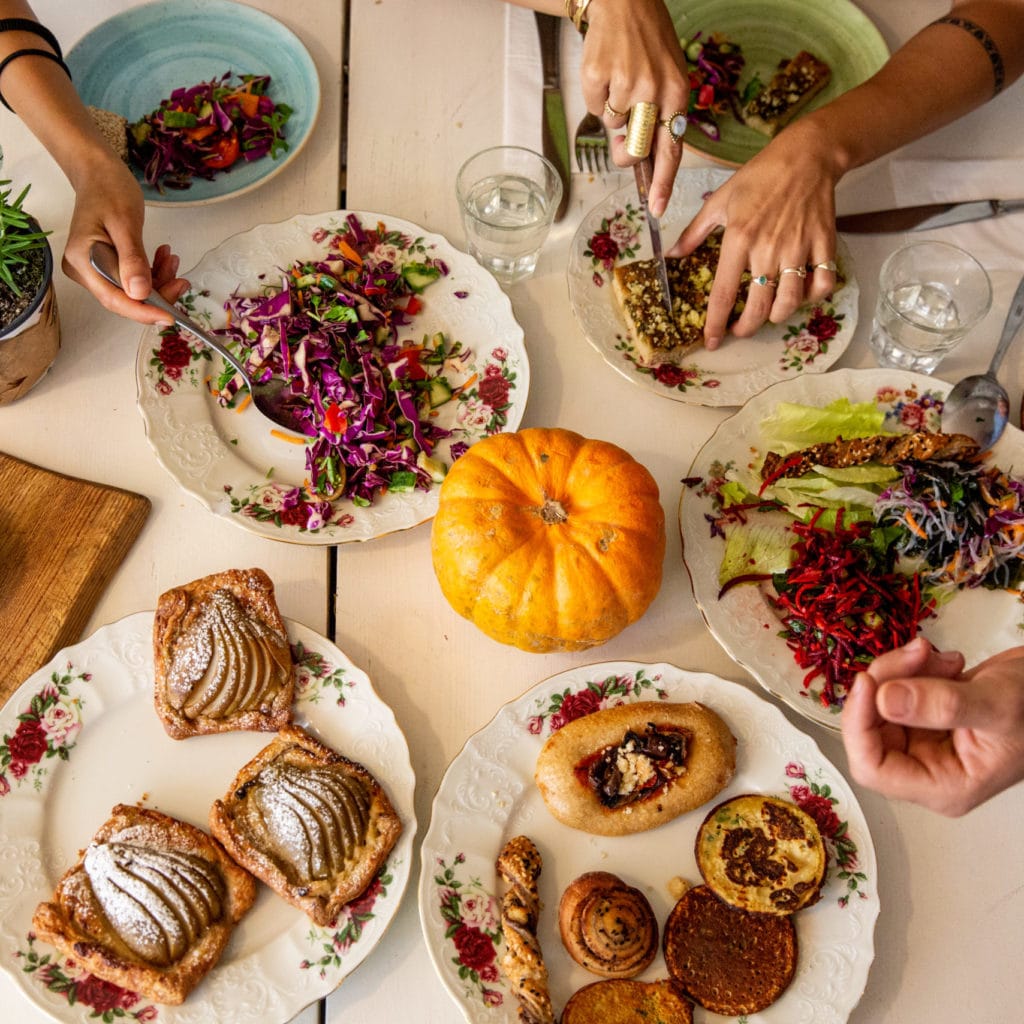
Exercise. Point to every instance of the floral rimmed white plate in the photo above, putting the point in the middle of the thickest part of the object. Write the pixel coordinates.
(977, 622)
(615, 232)
(81, 735)
(235, 465)
(488, 795)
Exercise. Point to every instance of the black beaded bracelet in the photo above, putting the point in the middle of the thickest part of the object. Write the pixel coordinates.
(28, 25)
(48, 54)
(995, 58)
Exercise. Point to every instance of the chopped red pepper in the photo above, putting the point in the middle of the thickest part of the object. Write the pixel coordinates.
(335, 419)
(226, 151)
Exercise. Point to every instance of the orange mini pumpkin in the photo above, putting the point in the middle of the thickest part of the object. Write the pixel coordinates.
(548, 540)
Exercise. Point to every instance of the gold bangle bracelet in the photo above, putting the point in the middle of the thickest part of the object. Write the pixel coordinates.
(576, 12)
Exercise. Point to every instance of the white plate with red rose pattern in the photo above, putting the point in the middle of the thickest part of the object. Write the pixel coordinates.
(615, 232)
(237, 467)
(979, 622)
(488, 795)
(81, 735)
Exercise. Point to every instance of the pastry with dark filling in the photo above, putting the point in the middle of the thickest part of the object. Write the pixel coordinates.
(311, 824)
(149, 905)
(221, 656)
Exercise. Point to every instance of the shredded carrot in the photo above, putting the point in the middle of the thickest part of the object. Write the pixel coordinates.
(915, 527)
(466, 384)
(290, 438)
(243, 403)
(348, 252)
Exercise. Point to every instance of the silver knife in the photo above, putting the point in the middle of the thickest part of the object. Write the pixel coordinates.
(639, 130)
(920, 218)
(555, 133)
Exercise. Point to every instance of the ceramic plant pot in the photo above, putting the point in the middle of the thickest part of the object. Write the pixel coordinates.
(30, 342)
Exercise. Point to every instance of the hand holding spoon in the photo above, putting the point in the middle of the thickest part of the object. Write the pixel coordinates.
(268, 397)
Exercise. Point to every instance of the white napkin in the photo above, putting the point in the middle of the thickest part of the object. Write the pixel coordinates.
(997, 242)
(522, 109)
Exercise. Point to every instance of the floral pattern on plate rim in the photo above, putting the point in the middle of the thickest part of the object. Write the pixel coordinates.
(471, 913)
(483, 404)
(618, 239)
(48, 727)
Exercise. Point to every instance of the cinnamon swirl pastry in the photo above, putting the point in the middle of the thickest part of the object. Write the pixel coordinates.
(519, 865)
(607, 927)
(221, 656)
(311, 824)
(149, 905)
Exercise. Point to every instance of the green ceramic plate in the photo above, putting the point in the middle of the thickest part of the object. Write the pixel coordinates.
(835, 31)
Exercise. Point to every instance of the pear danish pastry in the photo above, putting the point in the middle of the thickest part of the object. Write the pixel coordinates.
(313, 825)
(150, 904)
(607, 927)
(221, 656)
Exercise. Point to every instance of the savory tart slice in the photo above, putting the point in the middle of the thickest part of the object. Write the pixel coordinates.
(762, 854)
(149, 905)
(795, 83)
(221, 656)
(656, 337)
(311, 824)
(618, 1001)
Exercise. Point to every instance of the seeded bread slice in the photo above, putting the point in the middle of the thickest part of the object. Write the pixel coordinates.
(793, 86)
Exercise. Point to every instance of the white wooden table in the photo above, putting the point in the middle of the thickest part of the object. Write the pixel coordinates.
(425, 92)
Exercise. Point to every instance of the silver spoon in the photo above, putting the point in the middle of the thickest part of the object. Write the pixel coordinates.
(268, 396)
(979, 406)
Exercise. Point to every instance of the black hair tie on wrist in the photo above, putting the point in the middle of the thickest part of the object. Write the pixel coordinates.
(48, 54)
(28, 25)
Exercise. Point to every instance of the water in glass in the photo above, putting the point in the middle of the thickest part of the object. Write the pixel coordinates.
(915, 326)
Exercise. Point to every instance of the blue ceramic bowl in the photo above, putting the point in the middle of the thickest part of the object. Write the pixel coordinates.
(132, 61)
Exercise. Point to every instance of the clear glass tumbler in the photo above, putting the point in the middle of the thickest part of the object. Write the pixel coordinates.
(930, 296)
(508, 196)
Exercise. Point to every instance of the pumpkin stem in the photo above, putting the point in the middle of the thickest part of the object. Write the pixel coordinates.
(553, 512)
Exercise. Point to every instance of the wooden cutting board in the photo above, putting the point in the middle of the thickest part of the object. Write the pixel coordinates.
(61, 540)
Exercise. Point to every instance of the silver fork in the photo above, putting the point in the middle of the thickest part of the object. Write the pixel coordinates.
(592, 144)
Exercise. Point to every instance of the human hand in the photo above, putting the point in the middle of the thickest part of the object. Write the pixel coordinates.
(918, 728)
(631, 55)
(778, 211)
(109, 207)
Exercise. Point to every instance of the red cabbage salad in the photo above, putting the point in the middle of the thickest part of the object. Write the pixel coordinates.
(912, 536)
(337, 328)
(715, 64)
(202, 131)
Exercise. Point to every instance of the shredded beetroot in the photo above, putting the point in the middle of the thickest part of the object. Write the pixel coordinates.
(842, 605)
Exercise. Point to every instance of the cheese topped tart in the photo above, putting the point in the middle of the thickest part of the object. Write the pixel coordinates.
(657, 338)
(311, 824)
(762, 854)
(795, 83)
(221, 656)
(149, 905)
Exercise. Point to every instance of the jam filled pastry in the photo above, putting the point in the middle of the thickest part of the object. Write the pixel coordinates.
(150, 904)
(311, 824)
(519, 865)
(221, 656)
(607, 927)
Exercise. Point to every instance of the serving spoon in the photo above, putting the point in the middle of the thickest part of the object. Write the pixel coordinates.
(979, 406)
(268, 396)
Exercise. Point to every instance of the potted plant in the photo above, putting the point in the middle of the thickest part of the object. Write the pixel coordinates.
(29, 322)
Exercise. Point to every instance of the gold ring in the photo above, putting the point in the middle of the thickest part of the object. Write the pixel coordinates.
(642, 119)
(611, 111)
(829, 265)
(675, 126)
(765, 281)
(800, 272)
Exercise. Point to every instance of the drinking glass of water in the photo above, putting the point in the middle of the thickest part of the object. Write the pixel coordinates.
(930, 296)
(508, 196)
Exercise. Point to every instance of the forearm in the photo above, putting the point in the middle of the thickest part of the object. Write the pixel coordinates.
(44, 98)
(939, 75)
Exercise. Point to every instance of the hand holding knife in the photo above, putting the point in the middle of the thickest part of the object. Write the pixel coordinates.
(639, 131)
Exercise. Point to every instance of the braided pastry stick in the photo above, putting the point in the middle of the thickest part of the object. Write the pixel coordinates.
(522, 963)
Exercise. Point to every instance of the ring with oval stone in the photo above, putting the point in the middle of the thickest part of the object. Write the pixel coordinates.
(765, 281)
(675, 126)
